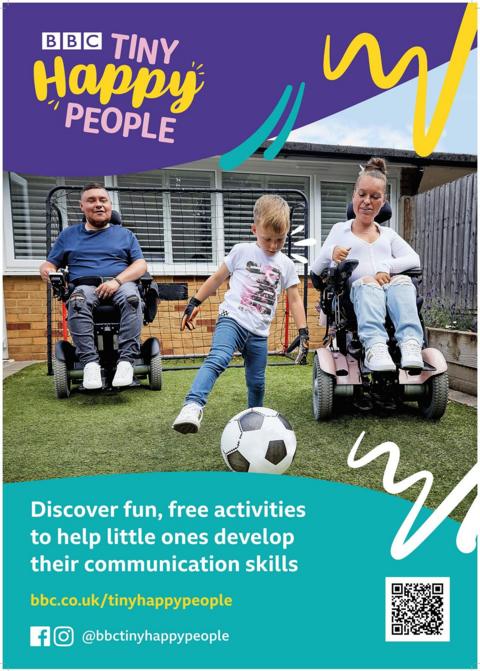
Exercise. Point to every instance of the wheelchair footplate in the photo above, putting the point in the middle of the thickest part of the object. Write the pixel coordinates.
(379, 390)
(107, 387)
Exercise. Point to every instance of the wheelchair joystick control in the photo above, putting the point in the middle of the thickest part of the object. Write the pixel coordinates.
(58, 284)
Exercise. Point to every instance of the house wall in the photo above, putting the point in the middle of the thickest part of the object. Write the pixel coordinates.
(26, 317)
(26, 320)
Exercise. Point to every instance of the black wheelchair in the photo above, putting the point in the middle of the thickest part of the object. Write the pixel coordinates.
(67, 369)
(340, 375)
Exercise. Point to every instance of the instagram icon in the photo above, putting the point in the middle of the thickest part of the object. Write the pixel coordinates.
(63, 636)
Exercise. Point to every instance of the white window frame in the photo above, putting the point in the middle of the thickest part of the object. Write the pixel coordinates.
(11, 265)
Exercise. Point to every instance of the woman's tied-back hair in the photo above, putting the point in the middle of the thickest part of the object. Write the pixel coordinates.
(272, 211)
(377, 168)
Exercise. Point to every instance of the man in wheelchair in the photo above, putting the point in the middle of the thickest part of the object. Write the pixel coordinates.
(104, 261)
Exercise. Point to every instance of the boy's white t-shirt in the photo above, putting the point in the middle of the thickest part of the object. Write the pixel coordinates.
(256, 281)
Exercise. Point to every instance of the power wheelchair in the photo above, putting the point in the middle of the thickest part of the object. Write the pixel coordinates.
(68, 370)
(340, 375)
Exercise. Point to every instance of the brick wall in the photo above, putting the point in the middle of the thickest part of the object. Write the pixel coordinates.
(26, 316)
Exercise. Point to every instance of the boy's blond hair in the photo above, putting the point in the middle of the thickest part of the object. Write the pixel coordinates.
(272, 212)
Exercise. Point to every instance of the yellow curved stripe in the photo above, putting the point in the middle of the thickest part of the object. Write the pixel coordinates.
(424, 141)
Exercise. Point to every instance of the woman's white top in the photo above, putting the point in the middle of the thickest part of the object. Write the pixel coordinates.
(389, 253)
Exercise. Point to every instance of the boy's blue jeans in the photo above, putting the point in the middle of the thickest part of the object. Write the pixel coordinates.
(230, 337)
(371, 303)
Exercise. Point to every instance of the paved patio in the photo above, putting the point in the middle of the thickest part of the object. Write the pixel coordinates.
(10, 366)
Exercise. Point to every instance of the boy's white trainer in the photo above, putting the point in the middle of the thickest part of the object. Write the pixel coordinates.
(411, 354)
(92, 376)
(189, 419)
(123, 374)
(378, 359)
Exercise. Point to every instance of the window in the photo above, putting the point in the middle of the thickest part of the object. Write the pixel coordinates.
(335, 199)
(191, 218)
(178, 229)
(28, 194)
(171, 227)
(143, 212)
(238, 208)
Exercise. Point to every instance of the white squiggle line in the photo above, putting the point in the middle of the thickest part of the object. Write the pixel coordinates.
(470, 528)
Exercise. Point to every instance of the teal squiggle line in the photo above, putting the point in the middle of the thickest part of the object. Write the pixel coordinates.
(280, 140)
(235, 157)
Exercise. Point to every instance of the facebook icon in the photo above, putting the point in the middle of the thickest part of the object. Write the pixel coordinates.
(40, 637)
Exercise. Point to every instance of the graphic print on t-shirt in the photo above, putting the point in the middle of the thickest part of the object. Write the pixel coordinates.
(261, 295)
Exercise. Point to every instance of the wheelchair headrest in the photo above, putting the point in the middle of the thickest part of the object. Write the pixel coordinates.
(115, 219)
(384, 215)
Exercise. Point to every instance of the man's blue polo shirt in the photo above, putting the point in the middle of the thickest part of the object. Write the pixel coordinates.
(105, 252)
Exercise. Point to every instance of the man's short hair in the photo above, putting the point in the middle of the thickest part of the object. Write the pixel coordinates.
(273, 212)
(90, 186)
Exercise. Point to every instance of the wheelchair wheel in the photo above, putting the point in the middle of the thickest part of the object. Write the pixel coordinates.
(62, 381)
(434, 404)
(322, 392)
(155, 372)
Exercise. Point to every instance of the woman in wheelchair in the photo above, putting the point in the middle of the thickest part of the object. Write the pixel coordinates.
(378, 287)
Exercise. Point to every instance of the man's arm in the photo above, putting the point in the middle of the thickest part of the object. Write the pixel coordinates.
(56, 258)
(46, 268)
(134, 271)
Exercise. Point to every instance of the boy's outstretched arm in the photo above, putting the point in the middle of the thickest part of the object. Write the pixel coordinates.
(297, 310)
(208, 288)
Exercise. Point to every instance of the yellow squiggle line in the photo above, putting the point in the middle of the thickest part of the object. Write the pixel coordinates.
(423, 142)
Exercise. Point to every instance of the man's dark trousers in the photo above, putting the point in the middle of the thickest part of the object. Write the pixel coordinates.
(80, 321)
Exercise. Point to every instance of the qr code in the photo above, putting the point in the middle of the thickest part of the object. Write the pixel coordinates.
(417, 609)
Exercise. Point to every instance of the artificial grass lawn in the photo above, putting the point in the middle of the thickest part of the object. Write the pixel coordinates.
(129, 431)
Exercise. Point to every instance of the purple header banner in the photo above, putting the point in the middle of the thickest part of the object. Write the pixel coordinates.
(116, 88)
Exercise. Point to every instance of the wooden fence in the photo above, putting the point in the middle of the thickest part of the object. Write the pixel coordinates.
(441, 225)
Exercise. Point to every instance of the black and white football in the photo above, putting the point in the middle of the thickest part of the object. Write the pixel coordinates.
(258, 440)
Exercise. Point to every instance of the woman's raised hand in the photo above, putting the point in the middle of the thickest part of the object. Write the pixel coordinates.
(340, 253)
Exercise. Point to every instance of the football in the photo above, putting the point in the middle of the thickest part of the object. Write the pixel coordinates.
(258, 440)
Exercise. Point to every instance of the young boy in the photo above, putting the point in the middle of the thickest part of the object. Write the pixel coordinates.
(258, 273)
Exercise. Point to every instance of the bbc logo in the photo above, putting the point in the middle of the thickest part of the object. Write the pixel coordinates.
(41, 637)
(57, 41)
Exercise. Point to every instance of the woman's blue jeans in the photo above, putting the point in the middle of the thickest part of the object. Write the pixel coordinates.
(371, 303)
(230, 337)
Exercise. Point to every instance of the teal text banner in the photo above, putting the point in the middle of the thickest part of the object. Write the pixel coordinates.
(218, 570)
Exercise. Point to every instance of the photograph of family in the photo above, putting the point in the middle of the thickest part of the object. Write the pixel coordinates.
(341, 279)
